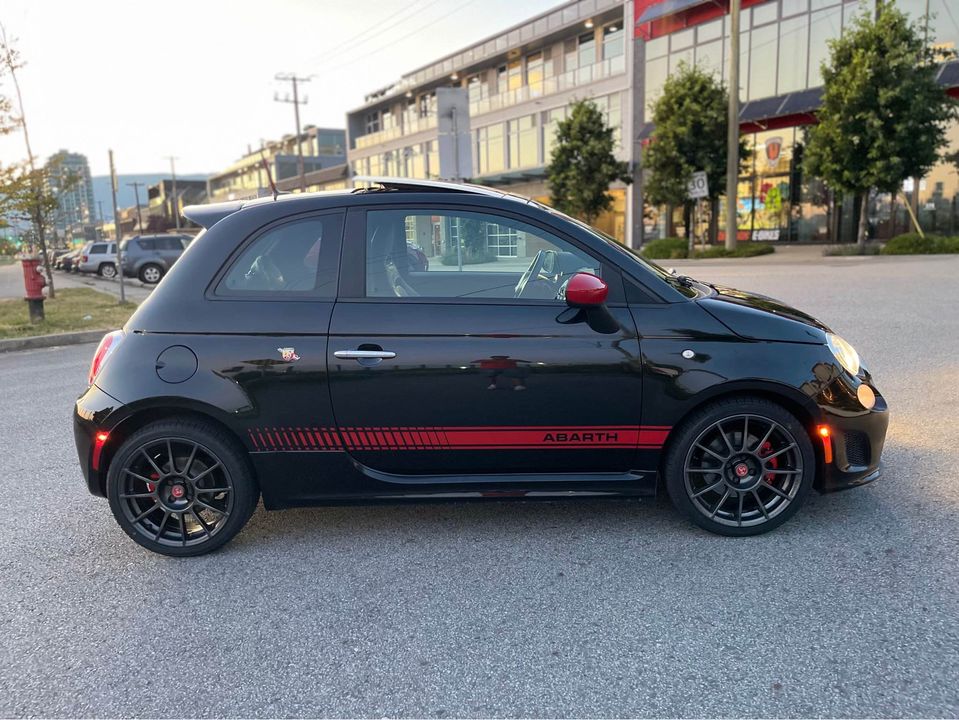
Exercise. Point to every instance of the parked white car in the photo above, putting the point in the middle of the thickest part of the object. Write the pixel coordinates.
(99, 258)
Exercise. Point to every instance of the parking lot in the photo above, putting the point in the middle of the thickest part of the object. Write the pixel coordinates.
(586, 608)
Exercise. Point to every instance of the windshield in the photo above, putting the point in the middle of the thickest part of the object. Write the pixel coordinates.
(666, 276)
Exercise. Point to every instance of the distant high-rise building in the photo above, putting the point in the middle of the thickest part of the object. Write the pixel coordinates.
(69, 176)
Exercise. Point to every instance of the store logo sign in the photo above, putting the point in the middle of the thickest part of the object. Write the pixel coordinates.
(774, 149)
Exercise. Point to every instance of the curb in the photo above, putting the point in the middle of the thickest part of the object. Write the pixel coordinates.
(45, 341)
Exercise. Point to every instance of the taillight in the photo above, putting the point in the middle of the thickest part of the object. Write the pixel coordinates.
(107, 345)
(85, 258)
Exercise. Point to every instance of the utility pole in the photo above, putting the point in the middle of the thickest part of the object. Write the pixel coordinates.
(732, 137)
(295, 100)
(136, 193)
(116, 228)
(176, 200)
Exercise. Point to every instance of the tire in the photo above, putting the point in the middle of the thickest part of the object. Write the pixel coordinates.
(107, 270)
(217, 491)
(729, 490)
(151, 273)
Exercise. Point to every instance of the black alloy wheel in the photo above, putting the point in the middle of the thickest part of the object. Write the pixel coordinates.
(181, 488)
(740, 467)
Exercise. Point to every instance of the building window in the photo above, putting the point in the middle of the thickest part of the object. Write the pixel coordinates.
(535, 74)
(793, 54)
(523, 150)
(824, 26)
(586, 53)
(502, 240)
(372, 122)
(613, 41)
(765, 13)
(762, 74)
(550, 128)
(477, 87)
(490, 149)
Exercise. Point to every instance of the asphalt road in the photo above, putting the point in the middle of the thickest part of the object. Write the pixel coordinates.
(592, 608)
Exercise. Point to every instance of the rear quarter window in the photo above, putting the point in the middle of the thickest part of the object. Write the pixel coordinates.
(147, 243)
(297, 257)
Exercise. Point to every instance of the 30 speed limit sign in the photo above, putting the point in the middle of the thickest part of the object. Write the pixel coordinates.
(698, 186)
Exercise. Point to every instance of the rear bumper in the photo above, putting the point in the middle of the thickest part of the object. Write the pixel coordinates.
(90, 416)
(856, 442)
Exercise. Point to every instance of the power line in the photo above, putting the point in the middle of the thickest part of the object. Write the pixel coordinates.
(403, 37)
(356, 41)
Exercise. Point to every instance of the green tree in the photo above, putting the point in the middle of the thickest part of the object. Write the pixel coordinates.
(25, 190)
(883, 115)
(582, 164)
(690, 118)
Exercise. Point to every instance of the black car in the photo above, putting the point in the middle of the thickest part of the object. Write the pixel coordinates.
(293, 353)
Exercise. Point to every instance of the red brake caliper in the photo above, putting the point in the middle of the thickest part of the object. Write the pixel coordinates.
(774, 463)
(153, 476)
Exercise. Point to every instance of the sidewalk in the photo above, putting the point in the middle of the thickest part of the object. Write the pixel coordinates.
(11, 283)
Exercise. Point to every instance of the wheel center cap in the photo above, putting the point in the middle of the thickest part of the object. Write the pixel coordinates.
(178, 491)
(742, 470)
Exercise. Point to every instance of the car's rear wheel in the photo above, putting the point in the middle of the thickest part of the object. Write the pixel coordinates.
(181, 487)
(741, 466)
(151, 273)
(107, 270)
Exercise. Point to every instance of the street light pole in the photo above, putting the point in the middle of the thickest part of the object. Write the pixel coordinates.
(176, 199)
(732, 137)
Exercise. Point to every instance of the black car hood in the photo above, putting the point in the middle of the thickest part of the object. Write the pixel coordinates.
(758, 317)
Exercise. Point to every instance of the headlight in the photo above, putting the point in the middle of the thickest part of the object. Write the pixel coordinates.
(844, 352)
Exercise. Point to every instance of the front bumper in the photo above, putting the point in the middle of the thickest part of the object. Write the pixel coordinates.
(857, 437)
(90, 416)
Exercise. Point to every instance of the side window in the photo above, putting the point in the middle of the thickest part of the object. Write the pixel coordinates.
(169, 243)
(447, 254)
(98, 249)
(147, 244)
(297, 258)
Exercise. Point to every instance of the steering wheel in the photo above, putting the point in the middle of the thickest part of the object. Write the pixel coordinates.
(264, 274)
(532, 271)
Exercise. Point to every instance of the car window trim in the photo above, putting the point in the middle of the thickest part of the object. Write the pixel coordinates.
(214, 294)
(353, 257)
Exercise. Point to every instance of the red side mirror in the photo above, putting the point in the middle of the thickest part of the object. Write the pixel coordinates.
(586, 290)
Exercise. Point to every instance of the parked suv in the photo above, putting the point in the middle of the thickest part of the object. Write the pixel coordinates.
(150, 257)
(99, 258)
(295, 353)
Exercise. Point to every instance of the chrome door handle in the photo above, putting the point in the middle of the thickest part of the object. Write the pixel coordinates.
(364, 354)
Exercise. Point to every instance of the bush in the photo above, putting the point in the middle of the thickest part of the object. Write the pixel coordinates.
(468, 258)
(744, 250)
(914, 244)
(850, 249)
(671, 248)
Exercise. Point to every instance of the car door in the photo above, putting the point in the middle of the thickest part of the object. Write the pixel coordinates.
(473, 366)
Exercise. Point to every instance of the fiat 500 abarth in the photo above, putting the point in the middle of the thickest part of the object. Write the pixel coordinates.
(294, 352)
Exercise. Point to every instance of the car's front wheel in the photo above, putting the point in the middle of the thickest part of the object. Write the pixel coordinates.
(181, 487)
(151, 274)
(740, 466)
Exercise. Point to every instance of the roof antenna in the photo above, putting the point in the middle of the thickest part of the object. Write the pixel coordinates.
(269, 175)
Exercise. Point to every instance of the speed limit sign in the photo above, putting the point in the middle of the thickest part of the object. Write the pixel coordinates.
(698, 186)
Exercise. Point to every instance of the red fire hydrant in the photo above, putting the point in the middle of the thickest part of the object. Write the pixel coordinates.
(33, 283)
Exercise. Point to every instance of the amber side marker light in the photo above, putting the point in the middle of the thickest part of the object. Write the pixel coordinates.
(99, 440)
(826, 437)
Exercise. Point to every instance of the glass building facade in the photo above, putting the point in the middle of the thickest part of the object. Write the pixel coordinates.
(782, 46)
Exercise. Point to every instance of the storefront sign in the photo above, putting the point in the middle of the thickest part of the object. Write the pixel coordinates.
(766, 235)
(774, 150)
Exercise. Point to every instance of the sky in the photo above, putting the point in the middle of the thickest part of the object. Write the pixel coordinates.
(195, 79)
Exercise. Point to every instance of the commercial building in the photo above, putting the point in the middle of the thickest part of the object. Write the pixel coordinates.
(782, 44)
(519, 84)
(619, 54)
(163, 206)
(69, 177)
(322, 148)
